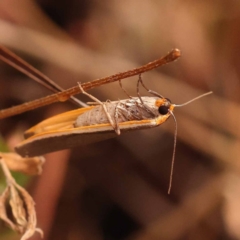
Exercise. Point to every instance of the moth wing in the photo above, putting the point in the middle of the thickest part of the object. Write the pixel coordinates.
(60, 121)
(46, 137)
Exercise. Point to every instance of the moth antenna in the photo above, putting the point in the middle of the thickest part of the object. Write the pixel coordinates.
(194, 99)
(174, 152)
(175, 135)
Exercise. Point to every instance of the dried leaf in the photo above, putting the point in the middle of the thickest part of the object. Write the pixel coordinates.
(29, 166)
(22, 206)
(30, 207)
(17, 206)
(3, 213)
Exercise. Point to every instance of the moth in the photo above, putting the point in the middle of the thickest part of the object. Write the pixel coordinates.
(96, 123)
(100, 122)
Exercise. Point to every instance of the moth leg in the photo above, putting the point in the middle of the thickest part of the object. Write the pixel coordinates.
(149, 90)
(138, 92)
(116, 118)
(120, 83)
(104, 108)
(92, 103)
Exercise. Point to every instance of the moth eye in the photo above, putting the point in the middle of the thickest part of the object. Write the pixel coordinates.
(163, 110)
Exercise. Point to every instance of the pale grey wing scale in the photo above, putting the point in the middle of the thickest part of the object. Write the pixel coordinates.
(127, 110)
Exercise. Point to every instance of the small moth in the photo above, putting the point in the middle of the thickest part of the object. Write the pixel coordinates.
(99, 122)
(95, 123)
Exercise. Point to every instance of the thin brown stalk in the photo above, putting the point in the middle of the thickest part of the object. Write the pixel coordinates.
(66, 94)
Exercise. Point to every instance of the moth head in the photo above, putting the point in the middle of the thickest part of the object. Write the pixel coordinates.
(164, 105)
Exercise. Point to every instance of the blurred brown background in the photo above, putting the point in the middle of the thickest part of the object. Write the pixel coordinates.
(117, 189)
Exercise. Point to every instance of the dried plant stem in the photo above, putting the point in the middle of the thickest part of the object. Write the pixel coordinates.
(66, 94)
(22, 206)
(18, 63)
